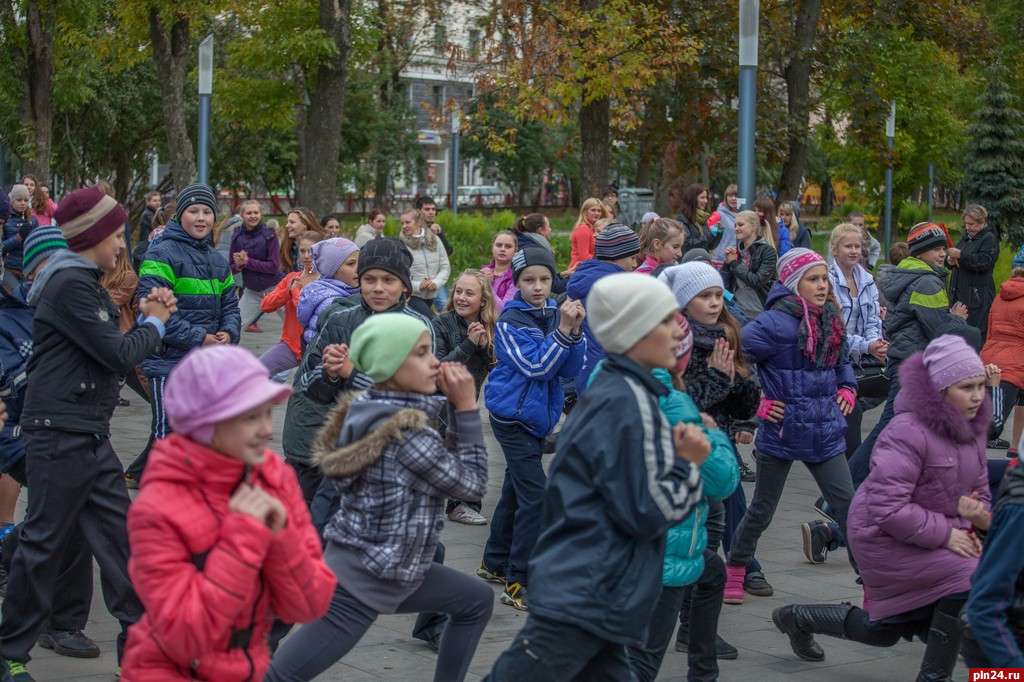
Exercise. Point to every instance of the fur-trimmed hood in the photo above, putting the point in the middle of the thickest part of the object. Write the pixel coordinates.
(359, 428)
(918, 396)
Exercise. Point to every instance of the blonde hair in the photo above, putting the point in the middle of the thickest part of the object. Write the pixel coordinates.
(488, 308)
(976, 211)
(250, 202)
(760, 230)
(840, 231)
(589, 204)
(659, 229)
(602, 224)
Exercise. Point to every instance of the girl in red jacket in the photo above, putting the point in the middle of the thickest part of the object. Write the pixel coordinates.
(286, 353)
(220, 536)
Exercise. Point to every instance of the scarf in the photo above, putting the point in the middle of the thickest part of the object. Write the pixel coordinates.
(702, 218)
(540, 240)
(821, 336)
(424, 240)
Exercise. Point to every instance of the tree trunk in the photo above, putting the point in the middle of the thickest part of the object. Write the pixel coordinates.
(40, 20)
(172, 56)
(595, 156)
(317, 182)
(798, 86)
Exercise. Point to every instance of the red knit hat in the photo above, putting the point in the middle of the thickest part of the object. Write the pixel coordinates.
(87, 216)
(925, 236)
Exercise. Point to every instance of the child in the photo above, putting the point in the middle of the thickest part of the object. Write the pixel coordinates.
(326, 371)
(43, 207)
(720, 383)
(912, 521)
(897, 252)
(464, 333)
(285, 354)
(153, 201)
(1003, 348)
(616, 250)
(331, 225)
(808, 388)
(185, 261)
(534, 229)
(499, 270)
(764, 207)
(722, 225)
(597, 567)
(299, 220)
(430, 269)
(336, 262)
(19, 223)
(372, 228)
(661, 243)
(749, 268)
(583, 235)
(692, 568)
(799, 236)
(536, 344)
(394, 472)
(78, 357)
(871, 251)
(254, 254)
(221, 540)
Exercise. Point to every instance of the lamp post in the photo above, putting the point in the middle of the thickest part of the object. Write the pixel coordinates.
(931, 189)
(749, 10)
(205, 93)
(456, 129)
(890, 136)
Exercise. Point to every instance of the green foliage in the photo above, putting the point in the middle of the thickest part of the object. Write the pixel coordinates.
(910, 214)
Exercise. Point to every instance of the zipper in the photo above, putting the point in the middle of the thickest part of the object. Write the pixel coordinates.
(694, 532)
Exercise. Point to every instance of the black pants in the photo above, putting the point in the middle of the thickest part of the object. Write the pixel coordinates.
(860, 461)
(75, 484)
(430, 625)
(422, 306)
(1005, 397)
(310, 478)
(871, 391)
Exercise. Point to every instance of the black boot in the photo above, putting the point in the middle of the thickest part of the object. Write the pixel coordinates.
(801, 621)
(943, 646)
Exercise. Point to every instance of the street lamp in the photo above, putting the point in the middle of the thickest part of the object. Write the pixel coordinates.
(205, 92)
(456, 129)
(890, 135)
(749, 10)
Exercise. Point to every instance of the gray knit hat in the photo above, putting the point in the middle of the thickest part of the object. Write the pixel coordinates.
(531, 255)
(689, 279)
(616, 241)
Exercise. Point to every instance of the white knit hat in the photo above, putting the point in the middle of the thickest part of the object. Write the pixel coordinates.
(689, 279)
(624, 308)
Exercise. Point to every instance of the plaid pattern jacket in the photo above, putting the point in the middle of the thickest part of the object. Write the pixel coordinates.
(393, 476)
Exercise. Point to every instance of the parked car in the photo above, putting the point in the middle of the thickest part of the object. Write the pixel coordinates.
(481, 196)
(633, 203)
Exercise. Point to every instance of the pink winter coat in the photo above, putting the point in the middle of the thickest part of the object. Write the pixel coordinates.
(902, 515)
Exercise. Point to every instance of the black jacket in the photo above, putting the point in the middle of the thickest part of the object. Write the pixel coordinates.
(79, 355)
(756, 270)
(697, 236)
(452, 344)
(731, 404)
(971, 283)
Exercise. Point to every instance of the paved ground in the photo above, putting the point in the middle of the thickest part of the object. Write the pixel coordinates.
(388, 653)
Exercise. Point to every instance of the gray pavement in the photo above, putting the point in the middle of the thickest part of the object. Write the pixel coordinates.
(388, 653)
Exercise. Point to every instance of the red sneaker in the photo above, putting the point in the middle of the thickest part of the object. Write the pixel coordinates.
(734, 592)
(254, 329)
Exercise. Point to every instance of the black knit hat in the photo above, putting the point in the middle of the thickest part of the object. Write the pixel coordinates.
(532, 255)
(924, 237)
(196, 193)
(389, 255)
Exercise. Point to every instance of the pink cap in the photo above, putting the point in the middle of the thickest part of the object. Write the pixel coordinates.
(214, 384)
(950, 360)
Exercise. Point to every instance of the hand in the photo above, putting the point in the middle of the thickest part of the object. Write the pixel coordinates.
(993, 375)
(457, 384)
(3, 414)
(709, 421)
(159, 306)
(336, 361)
(251, 501)
(477, 334)
(435, 228)
(722, 358)
(960, 310)
(731, 255)
(277, 516)
(953, 254)
(223, 338)
(432, 286)
(426, 284)
(210, 340)
(882, 311)
(879, 348)
(744, 437)
(691, 443)
(844, 407)
(571, 317)
(963, 543)
(974, 511)
(776, 412)
(165, 296)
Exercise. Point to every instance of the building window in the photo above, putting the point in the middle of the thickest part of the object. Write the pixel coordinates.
(440, 38)
(437, 97)
(474, 44)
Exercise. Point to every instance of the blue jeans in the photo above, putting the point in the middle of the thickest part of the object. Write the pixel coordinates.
(515, 523)
(860, 463)
(441, 300)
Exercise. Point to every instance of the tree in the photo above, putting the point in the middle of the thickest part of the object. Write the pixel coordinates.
(172, 54)
(994, 172)
(798, 100)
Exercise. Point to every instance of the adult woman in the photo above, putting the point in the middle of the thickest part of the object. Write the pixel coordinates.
(690, 206)
(299, 220)
(331, 225)
(430, 269)
(372, 228)
(584, 234)
(972, 262)
(43, 207)
(749, 268)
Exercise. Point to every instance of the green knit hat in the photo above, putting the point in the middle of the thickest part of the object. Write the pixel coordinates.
(382, 343)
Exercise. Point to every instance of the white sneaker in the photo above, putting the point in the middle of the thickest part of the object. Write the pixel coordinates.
(464, 514)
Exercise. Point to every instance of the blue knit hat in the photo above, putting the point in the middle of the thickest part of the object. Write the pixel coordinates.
(1018, 259)
(39, 245)
(196, 193)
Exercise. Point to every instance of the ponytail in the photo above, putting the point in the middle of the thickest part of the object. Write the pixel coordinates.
(531, 222)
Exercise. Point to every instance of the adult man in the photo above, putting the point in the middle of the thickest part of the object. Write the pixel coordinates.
(428, 212)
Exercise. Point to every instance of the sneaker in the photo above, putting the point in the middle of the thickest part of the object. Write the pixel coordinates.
(550, 444)
(817, 537)
(15, 671)
(131, 482)
(723, 650)
(756, 584)
(514, 596)
(122, 402)
(490, 576)
(1011, 453)
(747, 474)
(463, 513)
(998, 444)
(824, 510)
(254, 329)
(734, 593)
(70, 643)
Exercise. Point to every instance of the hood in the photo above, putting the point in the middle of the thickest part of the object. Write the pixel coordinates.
(1012, 289)
(176, 232)
(357, 431)
(17, 297)
(898, 279)
(60, 260)
(180, 460)
(775, 294)
(918, 397)
(533, 239)
(319, 291)
(586, 273)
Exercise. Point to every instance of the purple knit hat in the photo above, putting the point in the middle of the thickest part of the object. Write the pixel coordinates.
(214, 384)
(949, 360)
(329, 254)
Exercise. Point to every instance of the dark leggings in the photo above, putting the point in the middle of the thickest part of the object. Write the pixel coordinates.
(888, 632)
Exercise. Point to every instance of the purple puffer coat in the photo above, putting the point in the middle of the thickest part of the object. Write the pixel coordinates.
(902, 515)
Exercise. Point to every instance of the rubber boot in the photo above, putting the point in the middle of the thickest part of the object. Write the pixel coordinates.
(943, 647)
(800, 622)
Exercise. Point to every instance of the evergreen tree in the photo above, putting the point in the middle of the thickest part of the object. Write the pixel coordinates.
(994, 174)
